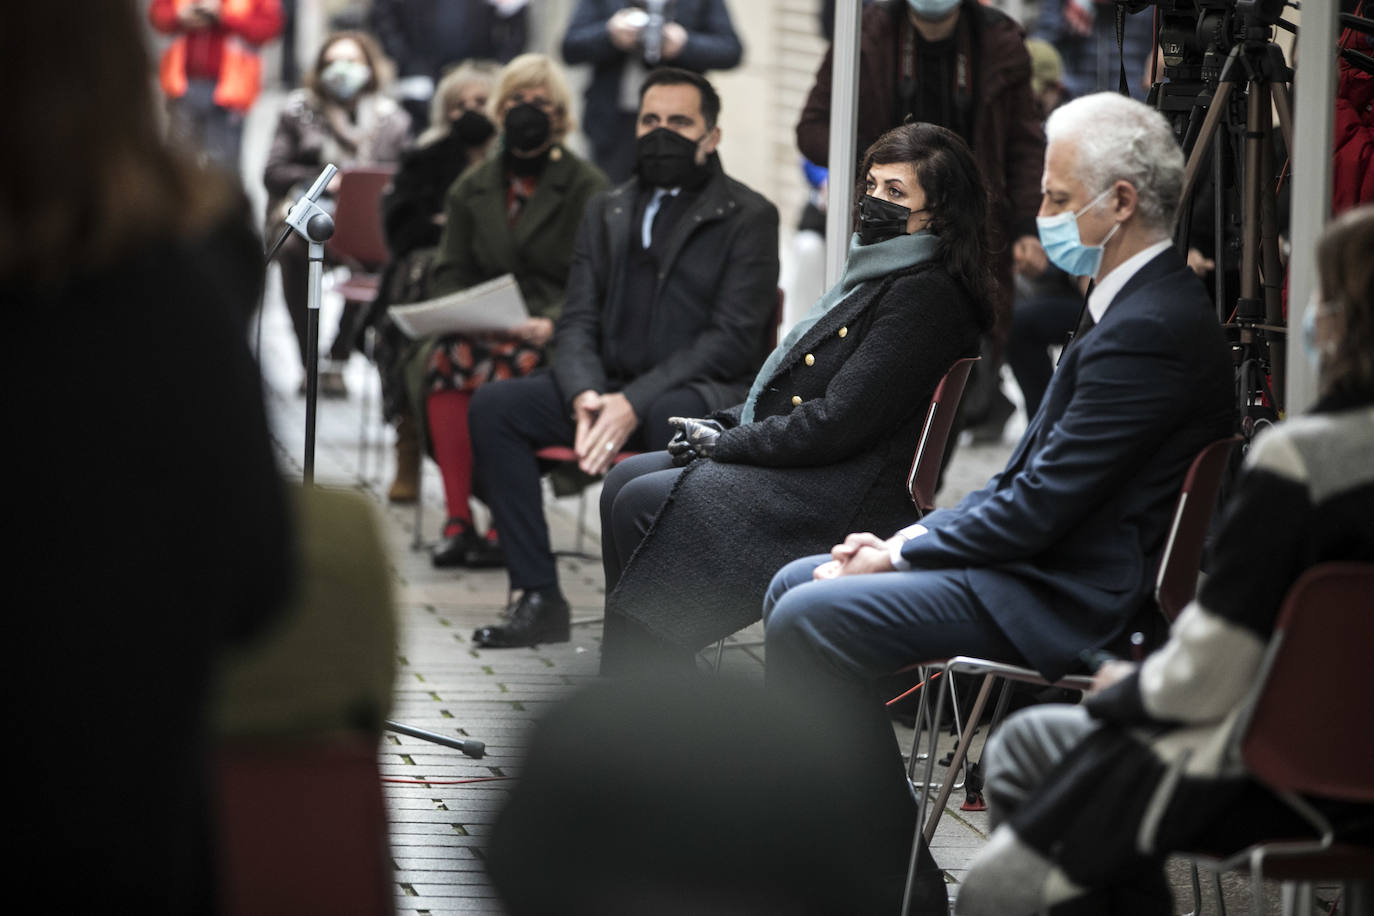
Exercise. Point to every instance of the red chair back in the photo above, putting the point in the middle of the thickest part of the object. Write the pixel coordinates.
(358, 215)
(302, 829)
(563, 454)
(1176, 582)
(1309, 730)
(930, 450)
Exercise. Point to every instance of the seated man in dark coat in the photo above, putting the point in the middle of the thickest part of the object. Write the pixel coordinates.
(670, 303)
(1057, 554)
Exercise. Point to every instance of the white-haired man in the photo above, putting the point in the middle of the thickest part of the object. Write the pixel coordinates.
(1056, 555)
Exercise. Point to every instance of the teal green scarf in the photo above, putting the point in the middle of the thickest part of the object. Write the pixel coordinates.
(865, 262)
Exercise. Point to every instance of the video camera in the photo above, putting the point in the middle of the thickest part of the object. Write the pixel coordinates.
(1195, 39)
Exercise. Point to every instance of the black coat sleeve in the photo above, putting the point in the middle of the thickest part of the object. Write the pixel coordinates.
(578, 366)
(921, 325)
(586, 40)
(745, 297)
(712, 44)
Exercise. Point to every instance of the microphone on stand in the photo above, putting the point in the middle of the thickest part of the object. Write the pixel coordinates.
(309, 220)
(303, 206)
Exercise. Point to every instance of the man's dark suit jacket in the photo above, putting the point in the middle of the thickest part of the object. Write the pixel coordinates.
(1061, 547)
(713, 314)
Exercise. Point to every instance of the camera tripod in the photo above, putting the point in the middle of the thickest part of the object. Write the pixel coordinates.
(1238, 132)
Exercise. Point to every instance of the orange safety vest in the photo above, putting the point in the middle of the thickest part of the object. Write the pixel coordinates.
(240, 70)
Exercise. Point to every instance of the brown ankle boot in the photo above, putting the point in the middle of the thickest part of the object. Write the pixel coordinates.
(406, 487)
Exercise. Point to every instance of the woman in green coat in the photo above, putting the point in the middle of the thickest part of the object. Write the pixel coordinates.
(517, 213)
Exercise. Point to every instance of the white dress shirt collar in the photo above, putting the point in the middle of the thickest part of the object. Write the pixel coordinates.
(1106, 289)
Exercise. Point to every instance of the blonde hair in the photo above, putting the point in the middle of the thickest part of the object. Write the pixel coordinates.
(536, 70)
(466, 73)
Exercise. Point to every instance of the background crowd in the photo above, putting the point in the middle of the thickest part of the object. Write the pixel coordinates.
(756, 467)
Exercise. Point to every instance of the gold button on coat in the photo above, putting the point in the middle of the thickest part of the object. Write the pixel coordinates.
(810, 359)
(844, 331)
(796, 400)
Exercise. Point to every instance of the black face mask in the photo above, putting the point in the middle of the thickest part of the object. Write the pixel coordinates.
(880, 220)
(473, 128)
(666, 159)
(527, 128)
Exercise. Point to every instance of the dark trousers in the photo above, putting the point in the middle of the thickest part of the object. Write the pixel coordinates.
(510, 420)
(632, 495)
(630, 499)
(829, 641)
(294, 259)
(838, 636)
(1037, 324)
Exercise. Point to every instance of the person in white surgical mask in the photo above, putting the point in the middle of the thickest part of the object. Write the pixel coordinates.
(342, 117)
(963, 66)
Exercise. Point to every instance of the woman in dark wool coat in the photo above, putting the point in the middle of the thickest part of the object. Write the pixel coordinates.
(825, 438)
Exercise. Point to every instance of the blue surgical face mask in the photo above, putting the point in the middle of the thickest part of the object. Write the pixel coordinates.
(1311, 347)
(932, 10)
(1063, 246)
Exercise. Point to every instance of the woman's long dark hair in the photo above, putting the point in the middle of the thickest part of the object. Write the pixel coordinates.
(956, 199)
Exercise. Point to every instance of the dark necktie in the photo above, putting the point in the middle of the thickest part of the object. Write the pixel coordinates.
(1085, 324)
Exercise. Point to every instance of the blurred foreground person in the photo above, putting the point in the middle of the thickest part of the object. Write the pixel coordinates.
(1091, 798)
(675, 799)
(340, 117)
(211, 72)
(145, 432)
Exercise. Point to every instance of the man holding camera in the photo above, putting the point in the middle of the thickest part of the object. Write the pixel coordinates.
(211, 73)
(623, 41)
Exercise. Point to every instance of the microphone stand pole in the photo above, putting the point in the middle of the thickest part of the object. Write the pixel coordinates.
(311, 222)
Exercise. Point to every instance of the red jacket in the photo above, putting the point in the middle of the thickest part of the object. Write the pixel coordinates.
(1352, 167)
(224, 52)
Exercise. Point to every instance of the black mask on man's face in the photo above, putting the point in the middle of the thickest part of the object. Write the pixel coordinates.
(473, 128)
(666, 159)
(880, 220)
(527, 128)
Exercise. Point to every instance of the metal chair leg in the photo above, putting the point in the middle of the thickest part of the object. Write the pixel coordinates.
(1197, 890)
(960, 753)
(364, 434)
(417, 541)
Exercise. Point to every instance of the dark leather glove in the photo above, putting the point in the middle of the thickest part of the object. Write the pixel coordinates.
(695, 438)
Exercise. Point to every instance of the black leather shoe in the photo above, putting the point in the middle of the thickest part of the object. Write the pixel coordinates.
(482, 553)
(451, 551)
(467, 548)
(538, 617)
